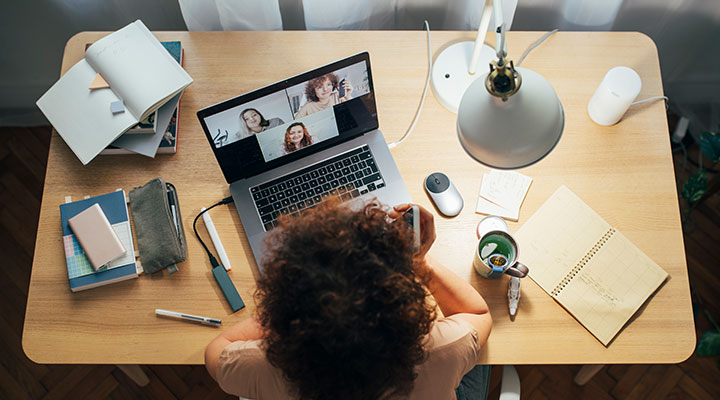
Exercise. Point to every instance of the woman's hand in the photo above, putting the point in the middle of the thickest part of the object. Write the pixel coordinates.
(427, 226)
(348, 88)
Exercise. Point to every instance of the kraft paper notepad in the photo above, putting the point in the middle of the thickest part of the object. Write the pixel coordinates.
(586, 265)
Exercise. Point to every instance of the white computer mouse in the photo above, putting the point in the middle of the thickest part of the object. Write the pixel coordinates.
(443, 193)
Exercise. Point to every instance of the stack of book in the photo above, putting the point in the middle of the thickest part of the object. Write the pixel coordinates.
(127, 82)
(143, 137)
(83, 264)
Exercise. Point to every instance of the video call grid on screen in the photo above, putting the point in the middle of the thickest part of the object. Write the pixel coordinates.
(260, 130)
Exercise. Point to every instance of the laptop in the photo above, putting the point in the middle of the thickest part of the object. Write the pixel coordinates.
(291, 145)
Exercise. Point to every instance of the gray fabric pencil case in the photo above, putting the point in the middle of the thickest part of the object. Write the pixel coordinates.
(160, 235)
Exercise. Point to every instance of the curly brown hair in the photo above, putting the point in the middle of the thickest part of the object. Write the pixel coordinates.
(315, 83)
(343, 303)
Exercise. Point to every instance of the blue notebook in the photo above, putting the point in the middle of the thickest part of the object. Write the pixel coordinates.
(80, 271)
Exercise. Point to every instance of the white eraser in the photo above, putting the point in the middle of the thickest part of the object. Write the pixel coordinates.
(117, 107)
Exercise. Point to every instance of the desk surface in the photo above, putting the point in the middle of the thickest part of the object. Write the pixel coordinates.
(624, 172)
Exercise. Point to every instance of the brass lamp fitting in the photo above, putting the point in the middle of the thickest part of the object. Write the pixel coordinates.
(503, 80)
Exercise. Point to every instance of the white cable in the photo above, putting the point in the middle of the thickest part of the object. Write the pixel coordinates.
(651, 99)
(534, 45)
(422, 99)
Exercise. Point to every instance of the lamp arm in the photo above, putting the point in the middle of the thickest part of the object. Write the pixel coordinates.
(500, 43)
(480, 39)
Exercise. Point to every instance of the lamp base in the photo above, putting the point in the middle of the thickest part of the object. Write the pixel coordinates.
(450, 76)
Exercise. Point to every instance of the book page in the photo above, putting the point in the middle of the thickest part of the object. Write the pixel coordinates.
(138, 68)
(611, 287)
(82, 116)
(124, 233)
(557, 237)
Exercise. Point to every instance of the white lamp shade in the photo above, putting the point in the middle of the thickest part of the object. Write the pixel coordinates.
(514, 133)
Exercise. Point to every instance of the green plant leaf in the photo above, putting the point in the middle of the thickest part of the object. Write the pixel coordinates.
(709, 344)
(710, 145)
(695, 187)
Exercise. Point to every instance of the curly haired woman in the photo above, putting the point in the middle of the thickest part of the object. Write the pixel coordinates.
(322, 92)
(344, 312)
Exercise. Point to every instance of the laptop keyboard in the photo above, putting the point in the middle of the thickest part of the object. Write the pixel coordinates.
(346, 176)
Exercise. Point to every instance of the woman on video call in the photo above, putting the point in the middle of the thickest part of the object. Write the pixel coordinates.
(254, 122)
(296, 137)
(323, 92)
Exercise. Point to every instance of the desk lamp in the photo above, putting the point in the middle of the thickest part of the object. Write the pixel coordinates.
(510, 117)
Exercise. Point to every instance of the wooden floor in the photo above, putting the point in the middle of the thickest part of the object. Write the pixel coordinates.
(23, 157)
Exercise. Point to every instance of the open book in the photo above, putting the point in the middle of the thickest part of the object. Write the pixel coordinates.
(140, 72)
(589, 267)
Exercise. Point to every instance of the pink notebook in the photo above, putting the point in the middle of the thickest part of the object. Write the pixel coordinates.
(96, 236)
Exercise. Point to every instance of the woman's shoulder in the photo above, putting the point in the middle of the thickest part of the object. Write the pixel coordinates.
(245, 371)
(241, 347)
(304, 110)
(275, 121)
(451, 331)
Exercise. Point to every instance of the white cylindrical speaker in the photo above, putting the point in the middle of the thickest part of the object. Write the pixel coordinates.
(613, 97)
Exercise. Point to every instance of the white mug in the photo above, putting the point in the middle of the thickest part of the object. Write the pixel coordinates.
(497, 251)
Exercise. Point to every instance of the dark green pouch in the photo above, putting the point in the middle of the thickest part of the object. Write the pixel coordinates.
(158, 226)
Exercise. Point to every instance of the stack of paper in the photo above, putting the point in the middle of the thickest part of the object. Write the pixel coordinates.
(502, 193)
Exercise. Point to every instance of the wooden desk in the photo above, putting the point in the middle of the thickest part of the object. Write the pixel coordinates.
(624, 172)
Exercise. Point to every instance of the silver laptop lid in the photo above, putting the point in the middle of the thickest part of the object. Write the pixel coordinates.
(291, 119)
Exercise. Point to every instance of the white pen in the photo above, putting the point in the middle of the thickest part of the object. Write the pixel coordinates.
(513, 295)
(216, 240)
(188, 317)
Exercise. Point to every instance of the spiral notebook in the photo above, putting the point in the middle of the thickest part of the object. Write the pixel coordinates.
(586, 265)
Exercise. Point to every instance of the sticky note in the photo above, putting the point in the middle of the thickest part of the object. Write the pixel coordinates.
(505, 188)
(489, 208)
(502, 193)
(98, 83)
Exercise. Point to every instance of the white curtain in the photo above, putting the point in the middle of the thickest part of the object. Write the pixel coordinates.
(399, 14)
(231, 15)
(337, 14)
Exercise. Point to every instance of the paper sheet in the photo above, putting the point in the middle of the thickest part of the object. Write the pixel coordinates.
(502, 193)
(485, 206)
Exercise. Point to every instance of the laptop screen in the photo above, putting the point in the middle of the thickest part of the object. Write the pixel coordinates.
(280, 123)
